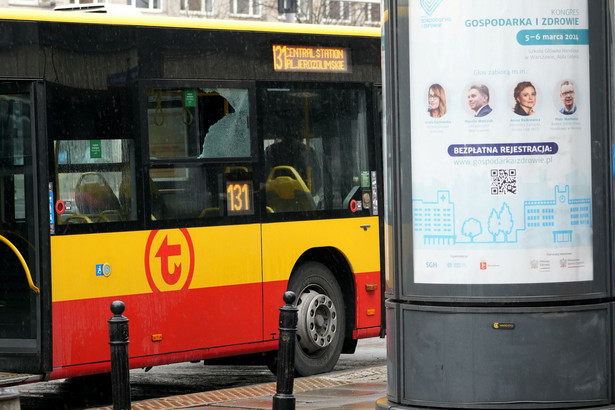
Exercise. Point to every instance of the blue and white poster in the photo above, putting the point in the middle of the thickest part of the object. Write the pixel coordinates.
(501, 156)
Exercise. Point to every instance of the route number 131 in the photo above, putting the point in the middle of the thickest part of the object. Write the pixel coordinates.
(238, 198)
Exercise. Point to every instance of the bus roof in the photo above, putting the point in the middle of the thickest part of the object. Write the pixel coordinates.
(182, 22)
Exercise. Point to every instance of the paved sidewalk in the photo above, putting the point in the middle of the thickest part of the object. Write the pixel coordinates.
(356, 389)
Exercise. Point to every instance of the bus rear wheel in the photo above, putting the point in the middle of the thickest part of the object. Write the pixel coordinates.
(321, 319)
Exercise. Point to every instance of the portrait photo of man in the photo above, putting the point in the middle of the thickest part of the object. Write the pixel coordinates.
(566, 94)
(478, 99)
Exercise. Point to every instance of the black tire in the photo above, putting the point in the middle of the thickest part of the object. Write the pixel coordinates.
(322, 319)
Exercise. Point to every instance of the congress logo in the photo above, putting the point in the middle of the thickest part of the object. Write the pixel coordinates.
(430, 6)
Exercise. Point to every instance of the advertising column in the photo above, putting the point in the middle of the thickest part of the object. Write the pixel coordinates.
(500, 97)
(498, 205)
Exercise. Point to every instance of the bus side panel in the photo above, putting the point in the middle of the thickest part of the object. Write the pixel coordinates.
(184, 289)
(368, 300)
(159, 324)
(284, 243)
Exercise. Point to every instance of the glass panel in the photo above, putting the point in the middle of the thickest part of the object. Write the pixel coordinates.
(193, 5)
(18, 303)
(345, 7)
(243, 6)
(334, 10)
(145, 4)
(303, 9)
(201, 191)
(316, 150)
(374, 13)
(203, 123)
(95, 181)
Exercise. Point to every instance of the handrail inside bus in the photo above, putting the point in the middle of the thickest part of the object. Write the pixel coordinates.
(23, 263)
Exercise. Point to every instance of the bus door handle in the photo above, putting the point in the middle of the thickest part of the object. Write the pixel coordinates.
(365, 227)
(23, 263)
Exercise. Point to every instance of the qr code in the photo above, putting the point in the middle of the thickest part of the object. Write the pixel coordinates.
(503, 181)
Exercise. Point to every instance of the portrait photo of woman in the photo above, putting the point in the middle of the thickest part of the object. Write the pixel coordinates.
(525, 98)
(436, 101)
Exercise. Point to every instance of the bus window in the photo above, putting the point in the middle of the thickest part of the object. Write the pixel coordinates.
(186, 128)
(95, 180)
(316, 147)
(203, 123)
(201, 191)
(230, 135)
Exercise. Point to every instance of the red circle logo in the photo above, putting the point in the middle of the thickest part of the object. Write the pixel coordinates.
(169, 260)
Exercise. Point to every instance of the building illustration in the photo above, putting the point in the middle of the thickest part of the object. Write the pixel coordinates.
(554, 220)
(559, 215)
(435, 221)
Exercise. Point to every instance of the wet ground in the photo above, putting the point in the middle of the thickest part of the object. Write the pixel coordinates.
(176, 379)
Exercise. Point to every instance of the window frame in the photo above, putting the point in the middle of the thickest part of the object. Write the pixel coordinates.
(304, 12)
(135, 166)
(107, 226)
(203, 9)
(369, 5)
(345, 5)
(32, 3)
(148, 163)
(250, 14)
(150, 7)
(372, 145)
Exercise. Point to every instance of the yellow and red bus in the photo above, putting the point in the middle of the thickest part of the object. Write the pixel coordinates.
(194, 170)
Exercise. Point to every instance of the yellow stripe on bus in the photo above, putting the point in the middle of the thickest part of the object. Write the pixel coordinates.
(121, 263)
(183, 22)
(356, 238)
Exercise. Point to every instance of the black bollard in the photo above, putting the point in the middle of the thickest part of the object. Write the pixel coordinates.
(118, 339)
(284, 399)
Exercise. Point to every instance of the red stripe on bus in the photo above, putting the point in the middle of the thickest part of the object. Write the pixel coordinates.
(186, 320)
(191, 324)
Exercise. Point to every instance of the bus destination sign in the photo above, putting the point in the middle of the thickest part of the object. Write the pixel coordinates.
(311, 59)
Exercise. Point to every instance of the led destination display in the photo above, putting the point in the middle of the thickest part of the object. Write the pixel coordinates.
(311, 59)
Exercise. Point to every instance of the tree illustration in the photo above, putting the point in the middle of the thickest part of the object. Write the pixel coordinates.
(493, 224)
(471, 228)
(505, 219)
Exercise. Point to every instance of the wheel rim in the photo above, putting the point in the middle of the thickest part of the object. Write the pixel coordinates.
(317, 325)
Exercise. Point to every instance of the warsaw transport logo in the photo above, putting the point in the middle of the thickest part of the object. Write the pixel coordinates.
(169, 260)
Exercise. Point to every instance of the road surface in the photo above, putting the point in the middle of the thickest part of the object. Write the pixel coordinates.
(176, 379)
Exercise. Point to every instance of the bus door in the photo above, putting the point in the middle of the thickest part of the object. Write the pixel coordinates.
(24, 234)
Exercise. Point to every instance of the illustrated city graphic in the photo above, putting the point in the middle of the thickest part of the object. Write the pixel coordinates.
(556, 220)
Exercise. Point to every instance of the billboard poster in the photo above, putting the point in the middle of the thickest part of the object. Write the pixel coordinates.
(500, 141)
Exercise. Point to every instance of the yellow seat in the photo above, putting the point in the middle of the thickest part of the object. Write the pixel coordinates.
(286, 191)
(94, 196)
